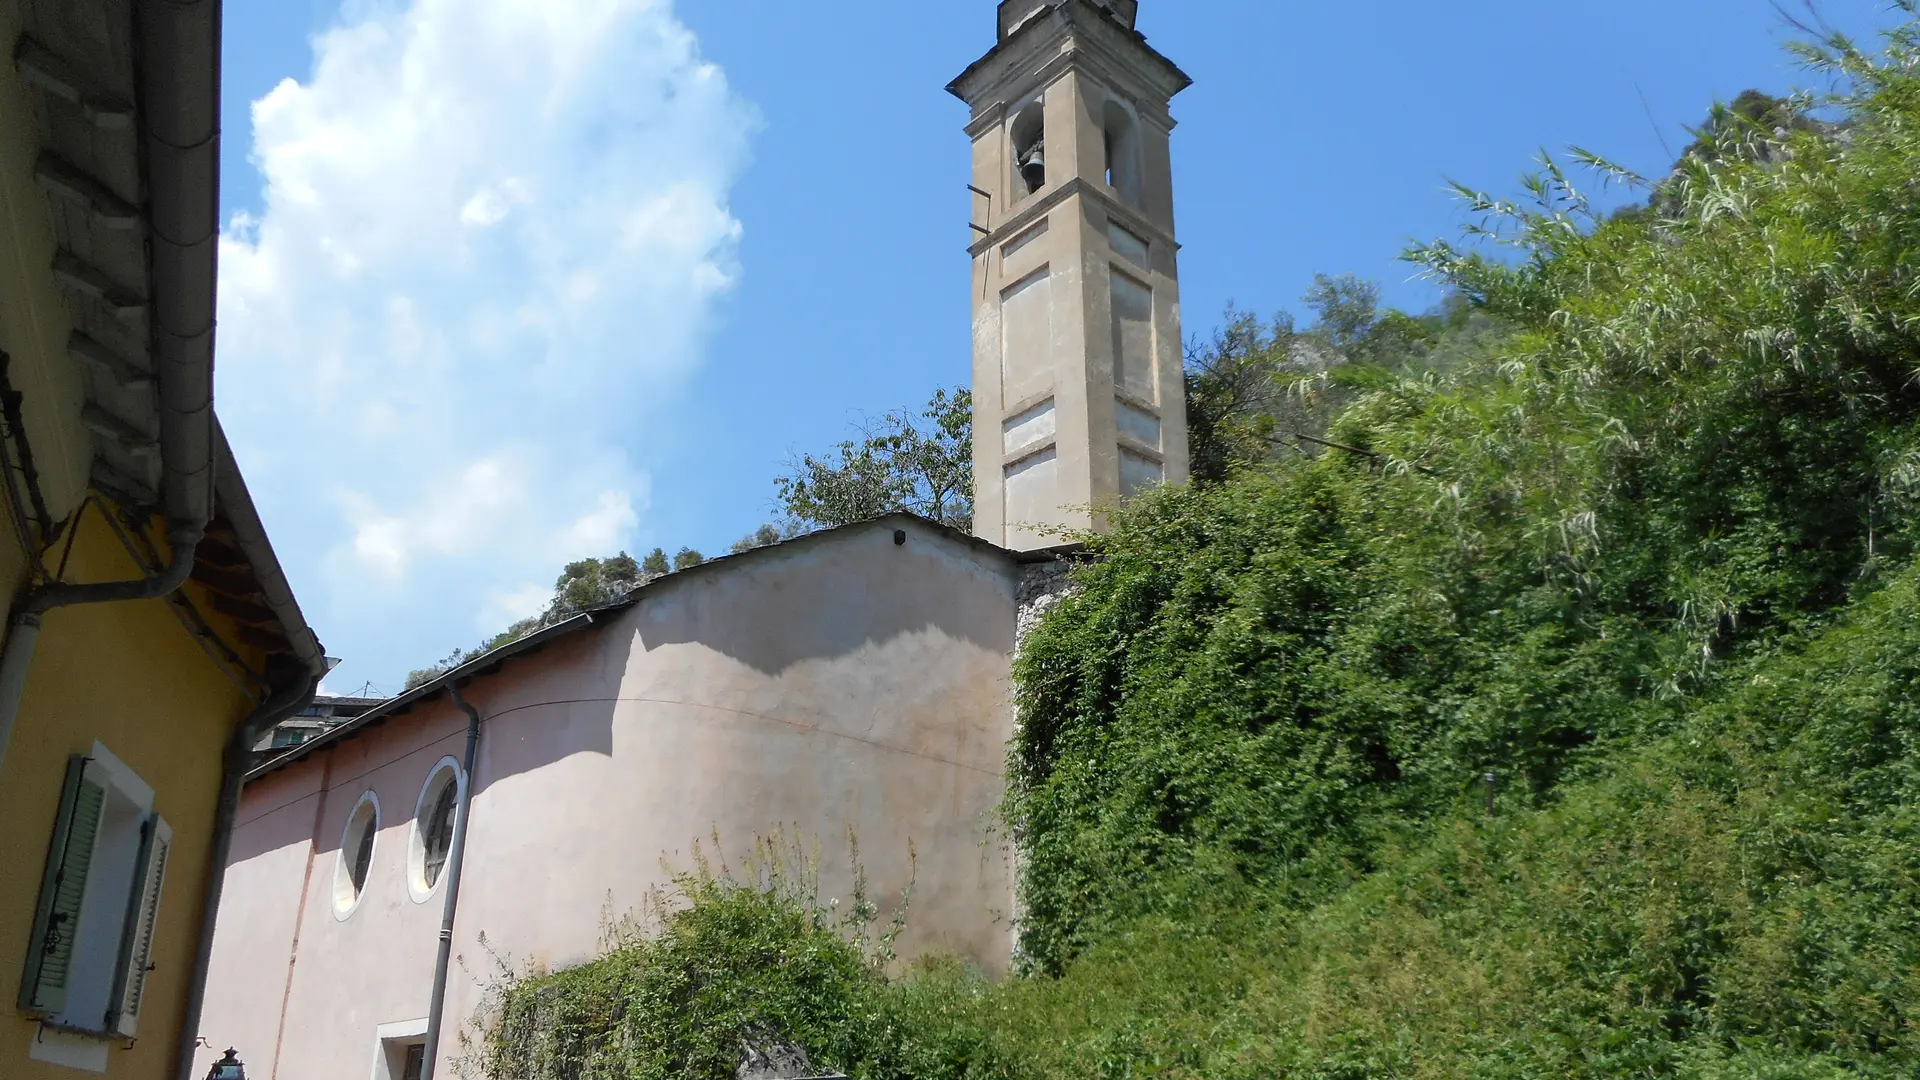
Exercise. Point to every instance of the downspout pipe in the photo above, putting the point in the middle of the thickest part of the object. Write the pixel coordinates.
(295, 696)
(23, 630)
(455, 860)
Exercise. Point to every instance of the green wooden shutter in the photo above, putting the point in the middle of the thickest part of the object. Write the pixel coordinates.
(49, 968)
(136, 944)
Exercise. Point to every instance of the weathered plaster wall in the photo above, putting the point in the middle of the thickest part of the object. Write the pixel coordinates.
(842, 681)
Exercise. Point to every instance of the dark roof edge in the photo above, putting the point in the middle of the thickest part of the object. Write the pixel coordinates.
(466, 672)
(483, 665)
(951, 533)
(1074, 552)
(234, 498)
(179, 95)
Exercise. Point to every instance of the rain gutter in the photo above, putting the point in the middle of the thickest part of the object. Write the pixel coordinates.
(180, 160)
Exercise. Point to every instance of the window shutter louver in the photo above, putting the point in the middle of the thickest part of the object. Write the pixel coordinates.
(49, 967)
(136, 946)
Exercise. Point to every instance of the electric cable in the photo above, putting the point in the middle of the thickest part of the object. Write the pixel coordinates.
(802, 727)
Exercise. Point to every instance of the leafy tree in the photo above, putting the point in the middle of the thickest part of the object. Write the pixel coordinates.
(656, 564)
(922, 465)
(1751, 125)
(764, 536)
(1348, 310)
(1755, 127)
(1520, 555)
(583, 586)
(1235, 386)
(592, 583)
(1256, 393)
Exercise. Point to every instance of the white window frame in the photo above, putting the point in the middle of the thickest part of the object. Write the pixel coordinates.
(390, 1042)
(115, 914)
(417, 886)
(342, 861)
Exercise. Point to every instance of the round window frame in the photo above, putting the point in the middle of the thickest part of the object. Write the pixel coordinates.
(417, 887)
(348, 851)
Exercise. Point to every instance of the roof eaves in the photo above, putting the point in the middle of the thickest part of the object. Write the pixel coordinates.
(1181, 78)
(483, 665)
(944, 530)
(466, 672)
(237, 501)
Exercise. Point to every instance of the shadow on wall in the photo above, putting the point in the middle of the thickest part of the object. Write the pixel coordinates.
(395, 758)
(277, 812)
(771, 611)
(826, 600)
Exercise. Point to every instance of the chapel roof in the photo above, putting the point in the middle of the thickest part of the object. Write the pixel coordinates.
(495, 660)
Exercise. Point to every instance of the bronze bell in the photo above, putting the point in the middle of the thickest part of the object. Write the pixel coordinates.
(1033, 168)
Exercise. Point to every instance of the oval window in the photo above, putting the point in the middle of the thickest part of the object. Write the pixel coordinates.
(434, 820)
(356, 855)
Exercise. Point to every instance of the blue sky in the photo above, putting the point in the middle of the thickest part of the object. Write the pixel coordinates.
(509, 282)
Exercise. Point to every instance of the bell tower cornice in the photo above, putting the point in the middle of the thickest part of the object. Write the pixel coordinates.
(1071, 56)
(1083, 33)
(1015, 14)
(1031, 212)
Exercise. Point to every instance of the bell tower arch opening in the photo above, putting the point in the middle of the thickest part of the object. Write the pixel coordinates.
(1121, 143)
(1028, 139)
(1079, 397)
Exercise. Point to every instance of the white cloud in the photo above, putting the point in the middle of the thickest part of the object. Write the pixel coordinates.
(493, 232)
(601, 528)
(504, 607)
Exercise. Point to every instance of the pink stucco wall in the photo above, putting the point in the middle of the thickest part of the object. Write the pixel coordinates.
(835, 682)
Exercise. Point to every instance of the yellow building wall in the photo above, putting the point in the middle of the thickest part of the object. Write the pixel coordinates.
(131, 676)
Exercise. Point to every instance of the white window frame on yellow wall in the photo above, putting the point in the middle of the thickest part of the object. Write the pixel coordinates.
(93, 930)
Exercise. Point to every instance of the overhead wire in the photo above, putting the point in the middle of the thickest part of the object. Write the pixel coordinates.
(73, 533)
(797, 725)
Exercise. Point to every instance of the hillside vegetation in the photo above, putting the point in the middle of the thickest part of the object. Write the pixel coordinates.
(1528, 689)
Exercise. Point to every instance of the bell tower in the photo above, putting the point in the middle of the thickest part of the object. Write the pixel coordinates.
(1078, 390)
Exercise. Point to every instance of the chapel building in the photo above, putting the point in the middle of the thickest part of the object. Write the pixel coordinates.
(855, 683)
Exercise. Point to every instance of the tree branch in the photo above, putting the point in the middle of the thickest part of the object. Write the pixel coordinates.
(1299, 437)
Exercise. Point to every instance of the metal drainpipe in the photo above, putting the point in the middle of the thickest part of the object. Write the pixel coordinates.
(24, 632)
(179, 133)
(296, 696)
(455, 859)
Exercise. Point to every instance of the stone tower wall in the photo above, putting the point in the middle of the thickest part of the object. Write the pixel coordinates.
(1078, 387)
